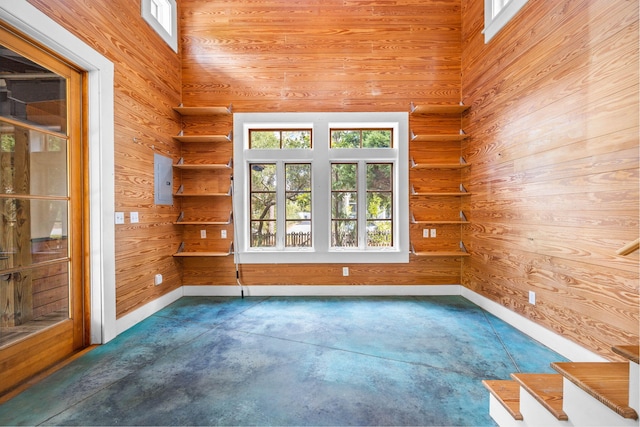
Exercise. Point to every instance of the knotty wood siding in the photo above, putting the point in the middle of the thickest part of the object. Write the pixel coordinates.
(146, 87)
(322, 55)
(553, 141)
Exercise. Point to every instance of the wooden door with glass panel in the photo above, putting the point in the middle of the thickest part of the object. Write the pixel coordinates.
(41, 210)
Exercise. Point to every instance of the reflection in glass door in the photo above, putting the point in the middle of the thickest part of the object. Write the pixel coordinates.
(41, 209)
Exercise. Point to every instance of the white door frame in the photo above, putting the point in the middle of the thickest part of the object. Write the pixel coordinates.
(38, 26)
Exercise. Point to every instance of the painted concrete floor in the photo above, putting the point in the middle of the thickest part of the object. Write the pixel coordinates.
(290, 361)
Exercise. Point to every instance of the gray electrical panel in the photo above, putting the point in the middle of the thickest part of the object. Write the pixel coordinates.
(163, 180)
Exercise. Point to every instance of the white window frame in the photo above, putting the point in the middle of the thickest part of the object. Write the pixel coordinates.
(164, 21)
(497, 13)
(321, 156)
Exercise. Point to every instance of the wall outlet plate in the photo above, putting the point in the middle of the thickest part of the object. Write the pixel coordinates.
(425, 233)
(133, 217)
(433, 232)
(203, 234)
(223, 234)
(345, 271)
(532, 297)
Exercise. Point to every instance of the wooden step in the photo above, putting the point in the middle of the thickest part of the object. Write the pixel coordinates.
(546, 389)
(507, 392)
(630, 352)
(607, 382)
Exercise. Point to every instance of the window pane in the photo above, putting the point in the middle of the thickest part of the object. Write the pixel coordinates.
(379, 176)
(40, 100)
(298, 177)
(344, 176)
(344, 234)
(263, 206)
(344, 205)
(379, 205)
(263, 234)
(345, 138)
(264, 139)
(379, 138)
(263, 177)
(298, 234)
(32, 162)
(39, 226)
(296, 139)
(379, 233)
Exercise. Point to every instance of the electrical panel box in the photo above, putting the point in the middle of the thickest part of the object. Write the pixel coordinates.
(163, 180)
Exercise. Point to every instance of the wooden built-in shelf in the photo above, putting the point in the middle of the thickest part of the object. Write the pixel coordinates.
(461, 165)
(461, 253)
(181, 193)
(462, 220)
(202, 111)
(438, 109)
(463, 192)
(182, 221)
(196, 166)
(182, 253)
(203, 138)
(438, 137)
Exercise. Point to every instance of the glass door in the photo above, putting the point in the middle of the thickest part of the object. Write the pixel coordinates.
(41, 209)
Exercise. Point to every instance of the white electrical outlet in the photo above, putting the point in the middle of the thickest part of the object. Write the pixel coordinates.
(223, 234)
(433, 232)
(425, 233)
(119, 217)
(345, 271)
(133, 217)
(203, 234)
(158, 279)
(532, 297)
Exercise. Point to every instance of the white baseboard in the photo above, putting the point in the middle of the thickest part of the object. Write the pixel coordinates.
(554, 341)
(136, 316)
(337, 290)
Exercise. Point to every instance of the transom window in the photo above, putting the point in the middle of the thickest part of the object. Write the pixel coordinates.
(497, 13)
(162, 16)
(321, 187)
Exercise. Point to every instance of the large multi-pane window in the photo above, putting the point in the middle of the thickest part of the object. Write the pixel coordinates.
(327, 187)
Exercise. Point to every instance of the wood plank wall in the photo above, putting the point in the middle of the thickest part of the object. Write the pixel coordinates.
(553, 144)
(147, 85)
(321, 55)
(553, 125)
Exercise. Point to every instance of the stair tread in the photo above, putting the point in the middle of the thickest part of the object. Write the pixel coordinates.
(608, 382)
(508, 394)
(546, 389)
(631, 352)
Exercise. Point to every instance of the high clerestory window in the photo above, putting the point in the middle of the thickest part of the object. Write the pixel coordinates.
(324, 187)
(162, 16)
(497, 13)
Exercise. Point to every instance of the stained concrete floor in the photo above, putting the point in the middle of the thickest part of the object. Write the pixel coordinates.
(290, 361)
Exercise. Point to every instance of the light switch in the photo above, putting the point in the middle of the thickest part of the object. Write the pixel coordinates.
(133, 217)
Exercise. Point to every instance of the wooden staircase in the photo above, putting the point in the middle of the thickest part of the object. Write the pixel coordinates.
(580, 394)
